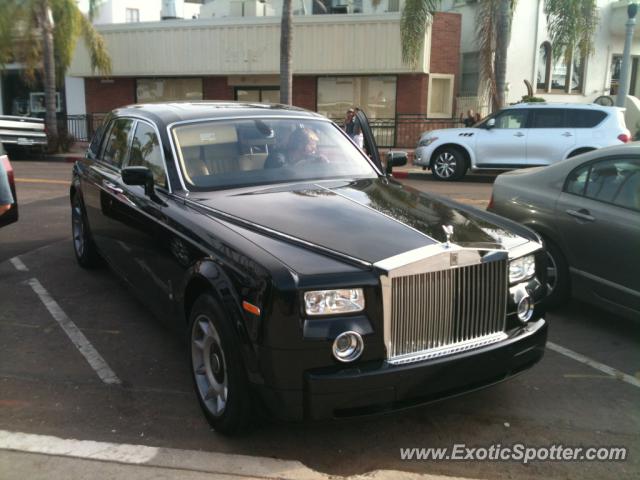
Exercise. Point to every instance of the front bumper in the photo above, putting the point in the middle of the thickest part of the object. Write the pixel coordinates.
(422, 156)
(375, 387)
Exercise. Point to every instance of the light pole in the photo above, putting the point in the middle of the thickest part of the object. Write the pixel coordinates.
(625, 70)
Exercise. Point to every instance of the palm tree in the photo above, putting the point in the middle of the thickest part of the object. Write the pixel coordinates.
(42, 35)
(286, 38)
(571, 25)
(416, 15)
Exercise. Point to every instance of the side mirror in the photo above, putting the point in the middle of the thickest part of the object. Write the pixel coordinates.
(396, 159)
(139, 176)
(490, 123)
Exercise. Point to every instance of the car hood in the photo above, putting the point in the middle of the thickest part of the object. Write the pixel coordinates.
(366, 219)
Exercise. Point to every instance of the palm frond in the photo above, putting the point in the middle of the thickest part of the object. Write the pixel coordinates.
(571, 25)
(100, 59)
(416, 15)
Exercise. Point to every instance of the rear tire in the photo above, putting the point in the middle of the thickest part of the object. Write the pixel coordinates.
(558, 281)
(217, 369)
(83, 246)
(449, 164)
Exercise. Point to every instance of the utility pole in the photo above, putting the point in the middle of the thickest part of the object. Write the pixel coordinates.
(625, 70)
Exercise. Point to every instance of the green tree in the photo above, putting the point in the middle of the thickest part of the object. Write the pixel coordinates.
(571, 25)
(42, 35)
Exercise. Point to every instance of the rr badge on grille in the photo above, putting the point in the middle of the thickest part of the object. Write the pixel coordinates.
(453, 259)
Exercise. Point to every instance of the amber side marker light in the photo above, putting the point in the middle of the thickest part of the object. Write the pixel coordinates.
(251, 308)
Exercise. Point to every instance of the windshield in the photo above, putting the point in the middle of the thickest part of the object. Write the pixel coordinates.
(232, 153)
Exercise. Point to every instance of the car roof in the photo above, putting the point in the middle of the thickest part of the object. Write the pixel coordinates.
(584, 106)
(171, 112)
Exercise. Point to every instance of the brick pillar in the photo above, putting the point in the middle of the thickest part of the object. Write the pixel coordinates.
(103, 95)
(217, 88)
(304, 92)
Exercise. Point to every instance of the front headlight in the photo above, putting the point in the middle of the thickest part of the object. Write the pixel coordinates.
(425, 142)
(522, 268)
(332, 302)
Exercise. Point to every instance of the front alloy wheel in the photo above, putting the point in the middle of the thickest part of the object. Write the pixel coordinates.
(448, 165)
(217, 367)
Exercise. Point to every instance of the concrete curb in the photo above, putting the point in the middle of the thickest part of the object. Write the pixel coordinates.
(174, 462)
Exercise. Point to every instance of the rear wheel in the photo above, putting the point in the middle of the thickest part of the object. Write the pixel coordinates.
(449, 164)
(217, 368)
(558, 286)
(83, 245)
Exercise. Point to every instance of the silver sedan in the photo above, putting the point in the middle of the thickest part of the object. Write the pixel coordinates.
(587, 209)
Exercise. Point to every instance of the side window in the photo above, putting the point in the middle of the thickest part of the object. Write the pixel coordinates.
(615, 181)
(547, 118)
(511, 119)
(583, 118)
(117, 142)
(577, 180)
(94, 146)
(146, 152)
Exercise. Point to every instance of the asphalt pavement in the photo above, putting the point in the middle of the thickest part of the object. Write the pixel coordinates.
(54, 406)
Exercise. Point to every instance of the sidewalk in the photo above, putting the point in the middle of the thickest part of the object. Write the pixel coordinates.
(76, 152)
(35, 457)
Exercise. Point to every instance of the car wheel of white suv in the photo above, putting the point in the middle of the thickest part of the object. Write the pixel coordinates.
(449, 164)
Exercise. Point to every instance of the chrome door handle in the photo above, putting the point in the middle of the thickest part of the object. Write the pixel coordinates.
(112, 187)
(567, 134)
(519, 134)
(581, 214)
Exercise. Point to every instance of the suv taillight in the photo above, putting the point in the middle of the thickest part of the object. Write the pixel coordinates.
(624, 137)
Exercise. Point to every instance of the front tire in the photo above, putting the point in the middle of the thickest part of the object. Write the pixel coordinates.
(217, 369)
(83, 246)
(449, 164)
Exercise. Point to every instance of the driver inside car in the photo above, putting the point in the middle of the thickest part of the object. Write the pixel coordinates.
(302, 149)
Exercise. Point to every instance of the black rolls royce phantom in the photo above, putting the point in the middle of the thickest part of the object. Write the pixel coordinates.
(305, 277)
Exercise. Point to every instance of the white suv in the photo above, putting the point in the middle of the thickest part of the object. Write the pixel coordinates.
(523, 135)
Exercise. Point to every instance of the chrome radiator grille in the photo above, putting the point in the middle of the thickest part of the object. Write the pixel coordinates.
(448, 311)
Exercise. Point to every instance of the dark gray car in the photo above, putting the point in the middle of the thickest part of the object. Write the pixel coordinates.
(587, 209)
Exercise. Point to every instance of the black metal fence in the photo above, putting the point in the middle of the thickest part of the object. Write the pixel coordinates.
(403, 131)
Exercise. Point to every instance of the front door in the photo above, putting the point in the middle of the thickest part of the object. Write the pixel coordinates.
(505, 144)
(370, 146)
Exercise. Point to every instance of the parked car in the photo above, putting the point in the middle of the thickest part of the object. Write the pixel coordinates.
(302, 274)
(22, 131)
(587, 209)
(523, 135)
(11, 215)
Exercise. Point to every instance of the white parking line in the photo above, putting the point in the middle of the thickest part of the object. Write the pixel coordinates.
(175, 463)
(75, 335)
(594, 364)
(18, 264)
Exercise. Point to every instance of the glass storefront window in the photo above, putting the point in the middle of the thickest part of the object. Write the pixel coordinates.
(258, 94)
(168, 89)
(375, 95)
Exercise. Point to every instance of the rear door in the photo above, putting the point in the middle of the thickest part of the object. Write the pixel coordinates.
(505, 144)
(103, 192)
(598, 216)
(11, 215)
(550, 138)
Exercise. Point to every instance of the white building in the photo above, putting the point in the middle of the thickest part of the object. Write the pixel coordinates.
(529, 58)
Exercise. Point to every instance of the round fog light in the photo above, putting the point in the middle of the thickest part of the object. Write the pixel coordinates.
(348, 346)
(525, 309)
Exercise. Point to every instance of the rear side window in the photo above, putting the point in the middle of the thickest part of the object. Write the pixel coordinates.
(94, 146)
(547, 118)
(583, 118)
(115, 146)
(615, 181)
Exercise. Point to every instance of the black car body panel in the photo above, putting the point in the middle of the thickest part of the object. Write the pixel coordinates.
(269, 244)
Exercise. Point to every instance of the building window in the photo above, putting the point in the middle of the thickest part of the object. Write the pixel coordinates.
(616, 65)
(470, 74)
(394, 6)
(132, 15)
(376, 96)
(544, 67)
(168, 89)
(440, 96)
(567, 76)
(258, 94)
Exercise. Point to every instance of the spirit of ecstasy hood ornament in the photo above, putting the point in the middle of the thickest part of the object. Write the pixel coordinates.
(448, 231)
